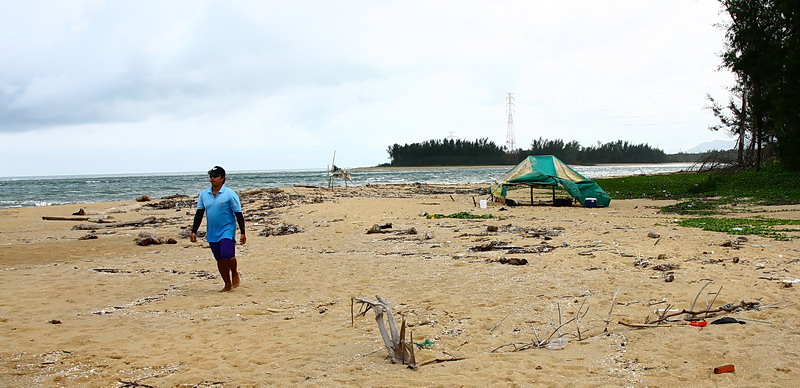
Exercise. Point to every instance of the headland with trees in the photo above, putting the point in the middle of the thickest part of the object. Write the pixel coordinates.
(457, 152)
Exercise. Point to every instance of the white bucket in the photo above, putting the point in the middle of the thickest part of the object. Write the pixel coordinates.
(483, 203)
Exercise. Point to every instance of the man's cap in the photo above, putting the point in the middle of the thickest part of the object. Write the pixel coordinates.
(217, 170)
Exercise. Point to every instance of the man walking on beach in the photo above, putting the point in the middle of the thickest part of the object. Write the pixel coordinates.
(223, 211)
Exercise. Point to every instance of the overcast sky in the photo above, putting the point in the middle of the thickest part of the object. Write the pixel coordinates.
(171, 86)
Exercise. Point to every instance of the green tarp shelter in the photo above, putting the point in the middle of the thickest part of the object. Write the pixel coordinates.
(548, 170)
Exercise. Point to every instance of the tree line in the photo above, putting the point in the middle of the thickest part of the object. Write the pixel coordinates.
(448, 152)
(762, 49)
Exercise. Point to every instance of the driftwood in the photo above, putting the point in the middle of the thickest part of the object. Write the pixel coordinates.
(121, 224)
(47, 218)
(641, 325)
(439, 360)
(99, 220)
(400, 351)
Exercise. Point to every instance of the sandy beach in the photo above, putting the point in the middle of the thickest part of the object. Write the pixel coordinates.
(94, 309)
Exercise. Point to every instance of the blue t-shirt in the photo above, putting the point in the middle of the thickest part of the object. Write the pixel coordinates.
(220, 213)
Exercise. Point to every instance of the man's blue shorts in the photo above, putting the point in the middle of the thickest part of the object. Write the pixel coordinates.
(223, 249)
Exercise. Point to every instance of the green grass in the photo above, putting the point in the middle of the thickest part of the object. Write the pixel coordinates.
(708, 193)
(668, 186)
(769, 227)
(772, 185)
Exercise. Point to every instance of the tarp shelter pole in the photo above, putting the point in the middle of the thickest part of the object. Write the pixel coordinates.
(531, 195)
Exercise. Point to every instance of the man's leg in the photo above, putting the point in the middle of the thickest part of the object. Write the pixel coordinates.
(224, 267)
(234, 273)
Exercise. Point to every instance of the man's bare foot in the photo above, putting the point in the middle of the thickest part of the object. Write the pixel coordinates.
(226, 289)
(235, 281)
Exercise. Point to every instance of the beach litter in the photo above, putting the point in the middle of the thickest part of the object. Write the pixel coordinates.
(424, 344)
(557, 343)
(726, 320)
(724, 369)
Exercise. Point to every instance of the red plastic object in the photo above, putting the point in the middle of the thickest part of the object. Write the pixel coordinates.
(724, 369)
(698, 323)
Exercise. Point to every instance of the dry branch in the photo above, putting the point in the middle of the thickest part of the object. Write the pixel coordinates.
(49, 218)
(122, 224)
(438, 360)
(400, 351)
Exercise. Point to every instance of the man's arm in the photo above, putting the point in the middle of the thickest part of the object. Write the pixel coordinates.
(240, 221)
(198, 218)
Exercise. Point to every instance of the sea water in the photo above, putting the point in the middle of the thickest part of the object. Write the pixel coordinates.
(54, 190)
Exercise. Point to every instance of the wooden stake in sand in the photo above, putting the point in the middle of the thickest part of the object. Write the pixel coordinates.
(400, 351)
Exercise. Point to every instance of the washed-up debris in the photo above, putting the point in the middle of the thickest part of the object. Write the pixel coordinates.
(644, 263)
(557, 343)
(186, 233)
(532, 249)
(110, 270)
(491, 245)
(122, 224)
(420, 188)
(92, 235)
(146, 238)
(176, 201)
(411, 230)
(382, 228)
(669, 277)
(400, 350)
(666, 267)
(280, 230)
(653, 235)
(143, 198)
(736, 243)
(724, 369)
(376, 229)
(725, 320)
(54, 218)
(460, 215)
(425, 344)
(256, 201)
(499, 245)
(513, 261)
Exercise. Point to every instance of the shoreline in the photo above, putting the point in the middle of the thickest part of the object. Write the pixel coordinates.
(510, 166)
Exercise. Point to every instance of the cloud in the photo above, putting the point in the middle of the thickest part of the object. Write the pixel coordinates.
(297, 80)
